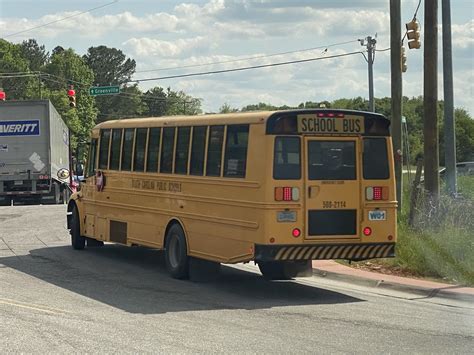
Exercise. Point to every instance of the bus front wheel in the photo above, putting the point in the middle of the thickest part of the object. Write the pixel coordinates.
(78, 242)
(176, 253)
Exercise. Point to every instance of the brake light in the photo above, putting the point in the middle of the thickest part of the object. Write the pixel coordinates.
(376, 193)
(287, 193)
(367, 231)
(296, 232)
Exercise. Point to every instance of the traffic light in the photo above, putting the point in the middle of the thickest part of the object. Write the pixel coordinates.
(71, 93)
(3, 96)
(403, 60)
(413, 34)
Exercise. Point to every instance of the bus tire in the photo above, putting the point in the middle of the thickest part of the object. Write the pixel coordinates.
(176, 253)
(78, 242)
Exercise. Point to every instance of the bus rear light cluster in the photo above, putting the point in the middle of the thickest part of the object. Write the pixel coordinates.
(376, 193)
(287, 194)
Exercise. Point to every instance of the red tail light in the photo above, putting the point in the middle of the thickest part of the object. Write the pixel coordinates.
(377, 193)
(296, 232)
(367, 231)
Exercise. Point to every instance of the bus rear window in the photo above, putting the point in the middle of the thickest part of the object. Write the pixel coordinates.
(287, 158)
(331, 160)
(375, 159)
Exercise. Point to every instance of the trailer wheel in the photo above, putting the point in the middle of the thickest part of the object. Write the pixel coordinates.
(176, 253)
(78, 242)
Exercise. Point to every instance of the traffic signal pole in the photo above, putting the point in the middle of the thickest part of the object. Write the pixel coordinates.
(396, 92)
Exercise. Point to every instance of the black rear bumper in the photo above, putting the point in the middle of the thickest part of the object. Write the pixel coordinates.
(354, 252)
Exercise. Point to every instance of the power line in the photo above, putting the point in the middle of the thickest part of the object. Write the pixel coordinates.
(246, 58)
(244, 68)
(59, 20)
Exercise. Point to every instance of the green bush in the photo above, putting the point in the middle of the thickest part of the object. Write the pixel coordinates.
(441, 243)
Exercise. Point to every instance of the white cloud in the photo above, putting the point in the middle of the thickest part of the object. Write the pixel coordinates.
(144, 47)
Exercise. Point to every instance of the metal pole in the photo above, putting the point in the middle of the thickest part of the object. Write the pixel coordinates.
(449, 127)
(430, 101)
(396, 92)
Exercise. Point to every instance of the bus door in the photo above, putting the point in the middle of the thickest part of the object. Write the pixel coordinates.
(332, 198)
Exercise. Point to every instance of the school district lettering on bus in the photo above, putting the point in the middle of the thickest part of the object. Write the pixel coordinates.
(279, 188)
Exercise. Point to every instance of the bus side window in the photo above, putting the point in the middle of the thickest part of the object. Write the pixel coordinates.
(167, 146)
(214, 151)
(104, 148)
(127, 147)
(115, 149)
(235, 160)
(91, 158)
(153, 150)
(182, 150)
(198, 150)
(139, 154)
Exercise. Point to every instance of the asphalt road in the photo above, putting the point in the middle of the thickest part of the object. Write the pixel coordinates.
(119, 299)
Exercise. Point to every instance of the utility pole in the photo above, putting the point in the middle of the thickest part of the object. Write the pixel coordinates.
(430, 101)
(396, 92)
(449, 127)
(370, 42)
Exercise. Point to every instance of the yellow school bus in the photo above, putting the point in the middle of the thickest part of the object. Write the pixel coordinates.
(279, 188)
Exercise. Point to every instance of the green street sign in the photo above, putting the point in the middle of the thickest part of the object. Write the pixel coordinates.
(104, 90)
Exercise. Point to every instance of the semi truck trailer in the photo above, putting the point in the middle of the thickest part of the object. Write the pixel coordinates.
(34, 153)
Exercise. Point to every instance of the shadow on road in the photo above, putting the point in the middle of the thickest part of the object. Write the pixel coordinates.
(135, 280)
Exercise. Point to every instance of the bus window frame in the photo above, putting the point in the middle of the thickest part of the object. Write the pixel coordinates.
(158, 152)
(92, 163)
(175, 157)
(108, 149)
(120, 149)
(206, 173)
(135, 149)
(204, 155)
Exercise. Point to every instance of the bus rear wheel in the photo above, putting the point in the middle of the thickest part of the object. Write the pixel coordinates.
(176, 253)
(78, 242)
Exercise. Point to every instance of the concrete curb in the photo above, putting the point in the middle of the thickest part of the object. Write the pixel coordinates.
(445, 292)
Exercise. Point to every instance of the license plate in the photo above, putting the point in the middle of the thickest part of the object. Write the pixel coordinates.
(18, 182)
(286, 216)
(377, 215)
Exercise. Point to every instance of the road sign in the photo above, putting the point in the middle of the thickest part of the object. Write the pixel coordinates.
(104, 90)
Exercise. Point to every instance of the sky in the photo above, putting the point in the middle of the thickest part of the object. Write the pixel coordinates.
(188, 35)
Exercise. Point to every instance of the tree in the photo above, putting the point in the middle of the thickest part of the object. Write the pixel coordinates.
(110, 65)
(65, 68)
(19, 87)
(156, 101)
(226, 108)
(36, 55)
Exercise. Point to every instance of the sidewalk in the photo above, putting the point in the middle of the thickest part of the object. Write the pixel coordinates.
(336, 271)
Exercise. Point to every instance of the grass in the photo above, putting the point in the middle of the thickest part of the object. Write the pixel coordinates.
(441, 243)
